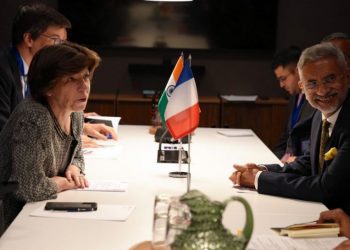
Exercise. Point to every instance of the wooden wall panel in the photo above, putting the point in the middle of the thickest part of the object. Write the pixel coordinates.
(102, 104)
(267, 118)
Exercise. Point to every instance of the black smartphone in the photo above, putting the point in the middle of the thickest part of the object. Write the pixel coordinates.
(71, 206)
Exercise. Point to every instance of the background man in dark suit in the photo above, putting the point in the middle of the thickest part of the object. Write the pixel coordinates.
(284, 66)
(34, 27)
(323, 173)
(342, 41)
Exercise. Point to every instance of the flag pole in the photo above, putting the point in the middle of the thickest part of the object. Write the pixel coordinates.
(189, 144)
(180, 155)
(189, 163)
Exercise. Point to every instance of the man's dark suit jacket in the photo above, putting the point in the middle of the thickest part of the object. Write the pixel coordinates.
(10, 85)
(300, 140)
(302, 180)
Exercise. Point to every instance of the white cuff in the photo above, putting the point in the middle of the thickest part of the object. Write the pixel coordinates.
(256, 179)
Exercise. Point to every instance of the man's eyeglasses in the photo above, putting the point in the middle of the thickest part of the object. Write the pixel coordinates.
(328, 81)
(56, 40)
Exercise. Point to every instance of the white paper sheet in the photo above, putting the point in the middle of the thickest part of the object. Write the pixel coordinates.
(240, 189)
(103, 212)
(106, 186)
(240, 98)
(236, 133)
(274, 242)
(107, 143)
(103, 152)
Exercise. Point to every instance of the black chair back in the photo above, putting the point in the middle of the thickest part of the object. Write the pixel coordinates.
(5, 188)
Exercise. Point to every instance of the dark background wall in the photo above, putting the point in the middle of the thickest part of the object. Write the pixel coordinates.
(299, 22)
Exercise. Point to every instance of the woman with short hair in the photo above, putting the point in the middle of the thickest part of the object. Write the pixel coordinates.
(40, 143)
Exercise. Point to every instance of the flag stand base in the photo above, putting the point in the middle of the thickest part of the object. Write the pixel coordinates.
(178, 174)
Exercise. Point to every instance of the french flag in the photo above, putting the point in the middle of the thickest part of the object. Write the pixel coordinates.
(182, 109)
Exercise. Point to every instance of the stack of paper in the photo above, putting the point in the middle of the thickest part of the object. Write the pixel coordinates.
(310, 230)
(106, 186)
(276, 242)
(108, 150)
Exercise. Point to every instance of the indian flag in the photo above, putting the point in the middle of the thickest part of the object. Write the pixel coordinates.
(178, 105)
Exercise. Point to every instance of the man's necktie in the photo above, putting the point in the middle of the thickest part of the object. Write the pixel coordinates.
(323, 142)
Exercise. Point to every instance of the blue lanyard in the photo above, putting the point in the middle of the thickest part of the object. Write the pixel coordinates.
(296, 111)
(20, 65)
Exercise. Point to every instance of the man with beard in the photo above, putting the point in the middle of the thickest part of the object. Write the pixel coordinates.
(323, 173)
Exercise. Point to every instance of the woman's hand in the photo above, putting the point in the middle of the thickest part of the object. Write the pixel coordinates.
(63, 184)
(87, 142)
(73, 179)
(73, 174)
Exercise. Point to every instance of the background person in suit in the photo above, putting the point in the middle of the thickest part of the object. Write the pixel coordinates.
(34, 27)
(342, 41)
(315, 176)
(284, 66)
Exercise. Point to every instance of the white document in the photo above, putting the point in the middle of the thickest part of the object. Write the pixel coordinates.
(275, 242)
(240, 189)
(110, 152)
(239, 98)
(107, 143)
(106, 186)
(103, 212)
(236, 132)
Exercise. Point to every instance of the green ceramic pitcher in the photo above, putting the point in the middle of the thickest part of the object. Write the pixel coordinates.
(194, 222)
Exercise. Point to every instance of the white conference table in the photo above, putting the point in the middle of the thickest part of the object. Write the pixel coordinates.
(212, 157)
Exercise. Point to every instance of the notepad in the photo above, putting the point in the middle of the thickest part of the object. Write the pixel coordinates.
(106, 186)
(312, 229)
